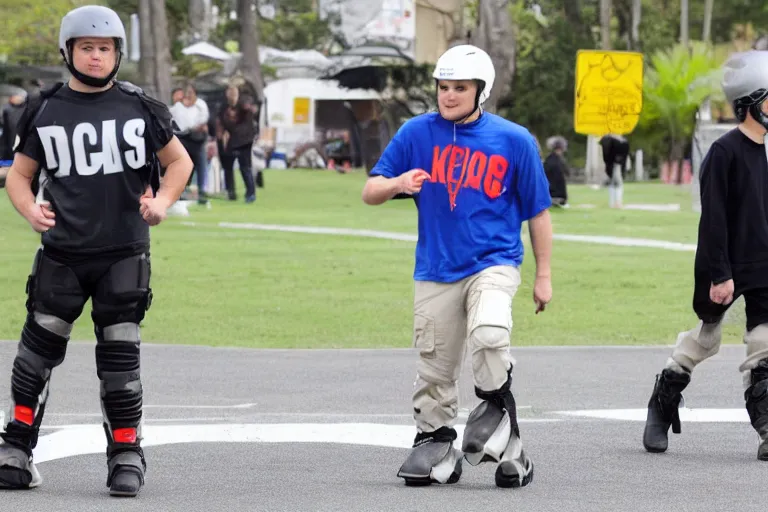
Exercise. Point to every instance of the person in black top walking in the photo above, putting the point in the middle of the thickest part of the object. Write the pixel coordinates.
(731, 257)
(85, 176)
(10, 119)
(235, 133)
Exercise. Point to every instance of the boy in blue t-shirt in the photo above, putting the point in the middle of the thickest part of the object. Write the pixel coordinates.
(475, 178)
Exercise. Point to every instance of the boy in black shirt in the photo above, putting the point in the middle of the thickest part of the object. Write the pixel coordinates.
(85, 176)
(731, 257)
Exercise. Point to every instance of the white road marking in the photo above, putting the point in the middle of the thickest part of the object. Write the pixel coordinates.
(698, 415)
(76, 440)
(82, 439)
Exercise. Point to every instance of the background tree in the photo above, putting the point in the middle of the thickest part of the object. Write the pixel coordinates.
(677, 82)
(250, 65)
(155, 61)
(29, 30)
(495, 34)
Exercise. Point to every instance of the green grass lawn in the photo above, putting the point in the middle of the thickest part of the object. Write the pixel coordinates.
(236, 287)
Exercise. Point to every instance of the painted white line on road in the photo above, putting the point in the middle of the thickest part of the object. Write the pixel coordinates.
(686, 415)
(81, 439)
(76, 440)
(233, 406)
(462, 413)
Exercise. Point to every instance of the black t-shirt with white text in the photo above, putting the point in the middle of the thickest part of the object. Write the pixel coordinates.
(94, 151)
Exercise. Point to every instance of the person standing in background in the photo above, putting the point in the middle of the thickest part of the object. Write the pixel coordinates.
(235, 134)
(556, 169)
(10, 119)
(191, 116)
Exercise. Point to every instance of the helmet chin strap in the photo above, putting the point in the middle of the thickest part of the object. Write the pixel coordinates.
(89, 80)
(461, 121)
(756, 109)
(765, 144)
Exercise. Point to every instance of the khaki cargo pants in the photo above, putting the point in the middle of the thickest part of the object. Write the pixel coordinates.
(474, 313)
(703, 341)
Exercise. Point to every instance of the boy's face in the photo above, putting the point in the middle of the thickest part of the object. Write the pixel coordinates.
(456, 98)
(94, 56)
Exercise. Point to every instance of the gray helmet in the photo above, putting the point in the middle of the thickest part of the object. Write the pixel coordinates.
(745, 83)
(91, 21)
(557, 142)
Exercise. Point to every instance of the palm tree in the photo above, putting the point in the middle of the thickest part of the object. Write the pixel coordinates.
(677, 82)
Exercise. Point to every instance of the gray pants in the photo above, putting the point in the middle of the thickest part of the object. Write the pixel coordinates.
(703, 342)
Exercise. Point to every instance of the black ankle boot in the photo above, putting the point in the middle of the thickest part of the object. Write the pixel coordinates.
(663, 409)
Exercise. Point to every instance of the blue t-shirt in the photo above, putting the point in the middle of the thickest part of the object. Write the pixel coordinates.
(487, 179)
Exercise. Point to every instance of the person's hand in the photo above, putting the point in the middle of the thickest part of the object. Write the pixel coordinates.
(40, 216)
(154, 210)
(411, 181)
(542, 292)
(722, 293)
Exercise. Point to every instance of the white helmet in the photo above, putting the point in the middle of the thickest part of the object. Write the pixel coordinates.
(745, 83)
(467, 62)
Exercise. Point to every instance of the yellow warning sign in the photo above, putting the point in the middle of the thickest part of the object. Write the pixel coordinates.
(301, 110)
(609, 92)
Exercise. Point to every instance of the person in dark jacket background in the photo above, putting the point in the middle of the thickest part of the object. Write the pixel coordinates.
(235, 133)
(10, 119)
(556, 169)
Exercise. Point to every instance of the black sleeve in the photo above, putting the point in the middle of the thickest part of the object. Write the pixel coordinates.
(160, 125)
(6, 144)
(714, 201)
(28, 139)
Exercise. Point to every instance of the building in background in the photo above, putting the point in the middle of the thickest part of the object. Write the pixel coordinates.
(420, 29)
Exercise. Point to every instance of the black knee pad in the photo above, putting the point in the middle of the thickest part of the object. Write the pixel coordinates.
(504, 399)
(54, 288)
(39, 352)
(118, 369)
(756, 397)
(123, 293)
